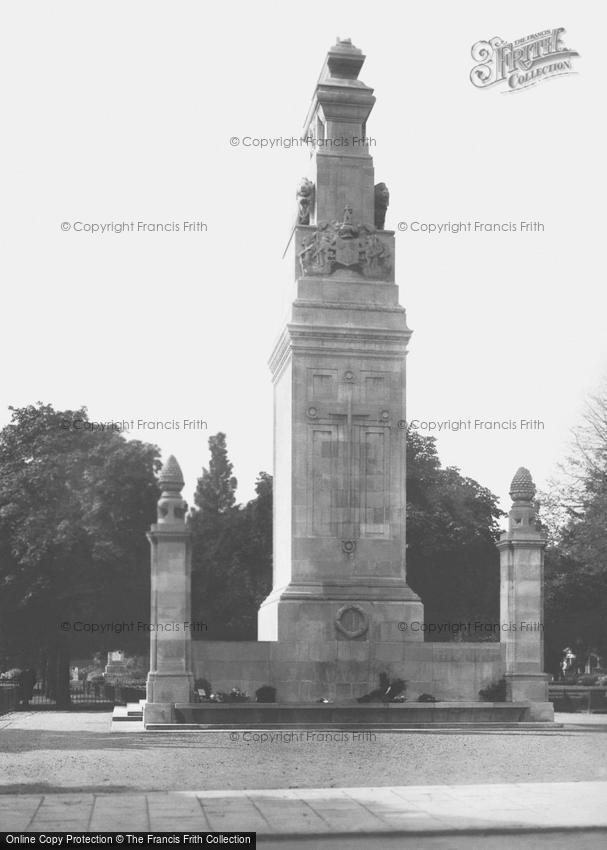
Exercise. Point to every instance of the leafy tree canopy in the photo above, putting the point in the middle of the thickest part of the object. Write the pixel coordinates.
(75, 506)
(452, 527)
(574, 511)
(231, 549)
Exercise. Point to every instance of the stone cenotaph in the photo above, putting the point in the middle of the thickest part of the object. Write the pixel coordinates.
(340, 609)
(339, 397)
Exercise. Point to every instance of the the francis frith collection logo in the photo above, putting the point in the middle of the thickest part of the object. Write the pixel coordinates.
(522, 63)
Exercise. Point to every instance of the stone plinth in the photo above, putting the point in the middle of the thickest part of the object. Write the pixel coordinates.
(170, 678)
(522, 601)
(312, 669)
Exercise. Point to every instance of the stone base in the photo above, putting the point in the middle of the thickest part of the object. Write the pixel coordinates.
(527, 687)
(159, 712)
(294, 616)
(539, 712)
(170, 688)
(340, 669)
(531, 688)
(348, 716)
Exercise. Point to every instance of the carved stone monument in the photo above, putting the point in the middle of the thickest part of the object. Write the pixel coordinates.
(340, 613)
(116, 669)
(522, 601)
(339, 399)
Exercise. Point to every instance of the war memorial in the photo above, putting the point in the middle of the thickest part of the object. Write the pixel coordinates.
(340, 613)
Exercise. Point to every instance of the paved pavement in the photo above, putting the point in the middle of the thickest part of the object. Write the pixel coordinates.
(73, 774)
(559, 840)
(421, 809)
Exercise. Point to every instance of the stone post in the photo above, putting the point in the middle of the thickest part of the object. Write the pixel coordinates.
(170, 679)
(521, 551)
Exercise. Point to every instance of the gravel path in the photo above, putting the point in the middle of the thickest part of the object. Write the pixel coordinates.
(52, 751)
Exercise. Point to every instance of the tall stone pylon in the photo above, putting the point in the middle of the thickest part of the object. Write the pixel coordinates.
(170, 679)
(339, 393)
(521, 550)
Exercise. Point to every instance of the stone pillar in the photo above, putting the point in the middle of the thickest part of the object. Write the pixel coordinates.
(170, 679)
(522, 602)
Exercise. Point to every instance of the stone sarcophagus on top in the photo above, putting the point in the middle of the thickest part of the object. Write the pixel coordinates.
(339, 393)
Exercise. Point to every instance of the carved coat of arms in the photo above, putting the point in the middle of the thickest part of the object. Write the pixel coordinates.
(343, 244)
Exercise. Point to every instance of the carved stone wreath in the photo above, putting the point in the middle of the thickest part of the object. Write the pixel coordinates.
(348, 547)
(351, 621)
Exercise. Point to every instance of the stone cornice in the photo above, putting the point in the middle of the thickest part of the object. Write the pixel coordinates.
(348, 305)
(522, 543)
(344, 342)
(168, 531)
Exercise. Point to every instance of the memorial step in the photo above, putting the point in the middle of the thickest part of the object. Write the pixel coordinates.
(349, 716)
(355, 728)
(125, 713)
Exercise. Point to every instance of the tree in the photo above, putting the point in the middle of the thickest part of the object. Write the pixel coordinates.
(574, 512)
(75, 506)
(452, 528)
(231, 549)
(216, 489)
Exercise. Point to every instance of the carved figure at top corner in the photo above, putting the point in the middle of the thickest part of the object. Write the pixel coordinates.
(382, 200)
(305, 200)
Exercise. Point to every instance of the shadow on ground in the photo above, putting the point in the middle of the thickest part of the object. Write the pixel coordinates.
(37, 788)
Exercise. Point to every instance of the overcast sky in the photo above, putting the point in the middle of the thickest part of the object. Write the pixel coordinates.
(121, 111)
